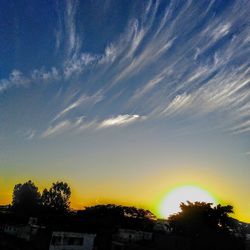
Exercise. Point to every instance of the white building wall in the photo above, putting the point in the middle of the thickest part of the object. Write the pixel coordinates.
(67, 241)
(11, 230)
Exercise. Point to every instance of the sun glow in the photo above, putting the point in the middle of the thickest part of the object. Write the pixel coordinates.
(171, 202)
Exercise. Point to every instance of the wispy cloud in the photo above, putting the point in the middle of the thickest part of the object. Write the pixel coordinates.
(19, 79)
(221, 31)
(180, 59)
(16, 78)
(87, 125)
(241, 127)
(67, 38)
(109, 55)
(84, 99)
(119, 120)
(56, 129)
(75, 125)
(76, 64)
(79, 124)
(70, 23)
(179, 103)
(42, 74)
(30, 134)
(151, 83)
(70, 107)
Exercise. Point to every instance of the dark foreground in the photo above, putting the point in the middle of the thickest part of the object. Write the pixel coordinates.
(111, 227)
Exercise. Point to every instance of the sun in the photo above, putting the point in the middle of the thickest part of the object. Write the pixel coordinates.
(171, 202)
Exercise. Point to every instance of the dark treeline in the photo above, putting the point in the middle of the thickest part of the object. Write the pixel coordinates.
(52, 206)
(198, 225)
(27, 200)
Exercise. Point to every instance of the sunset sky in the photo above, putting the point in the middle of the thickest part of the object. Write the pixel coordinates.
(126, 100)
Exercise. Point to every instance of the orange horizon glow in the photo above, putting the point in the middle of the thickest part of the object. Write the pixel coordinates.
(170, 204)
(79, 203)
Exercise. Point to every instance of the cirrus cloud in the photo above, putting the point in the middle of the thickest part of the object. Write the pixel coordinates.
(119, 120)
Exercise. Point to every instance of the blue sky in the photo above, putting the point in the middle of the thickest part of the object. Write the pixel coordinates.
(124, 90)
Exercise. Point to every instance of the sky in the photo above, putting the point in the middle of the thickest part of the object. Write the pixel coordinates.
(126, 100)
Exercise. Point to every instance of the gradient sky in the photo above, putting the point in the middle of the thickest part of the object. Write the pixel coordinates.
(126, 100)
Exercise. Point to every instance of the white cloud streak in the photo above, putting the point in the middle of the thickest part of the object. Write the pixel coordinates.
(56, 129)
(84, 99)
(80, 124)
(70, 23)
(180, 102)
(119, 120)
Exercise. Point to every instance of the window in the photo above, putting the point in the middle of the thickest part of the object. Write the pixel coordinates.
(56, 241)
(72, 241)
(78, 241)
(67, 241)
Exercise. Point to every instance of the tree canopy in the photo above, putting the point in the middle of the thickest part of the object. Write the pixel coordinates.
(207, 227)
(57, 197)
(26, 198)
(118, 210)
(111, 216)
(198, 217)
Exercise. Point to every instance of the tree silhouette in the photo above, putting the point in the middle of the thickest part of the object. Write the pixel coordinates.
(57, 197)
(26, 198)
(120, 211)
(198, 217)
(207, 226)
(112, 216)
